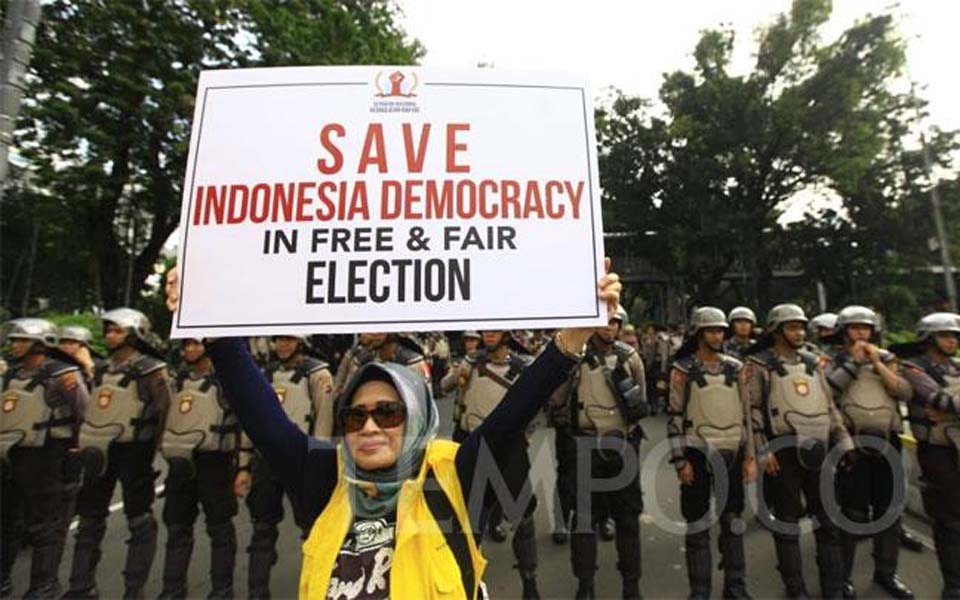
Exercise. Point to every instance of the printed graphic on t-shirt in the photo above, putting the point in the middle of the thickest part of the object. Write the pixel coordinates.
(363, 564)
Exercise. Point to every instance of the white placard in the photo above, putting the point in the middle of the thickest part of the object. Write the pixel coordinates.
(352, 199)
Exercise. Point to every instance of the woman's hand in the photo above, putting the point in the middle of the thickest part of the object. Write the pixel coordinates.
(173, 289)
(608, 290)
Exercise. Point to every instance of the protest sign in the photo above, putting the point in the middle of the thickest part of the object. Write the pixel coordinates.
(351, 199)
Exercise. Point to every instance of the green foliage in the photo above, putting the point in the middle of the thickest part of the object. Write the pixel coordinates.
(88, 320)
(105, 126)
(702, 183)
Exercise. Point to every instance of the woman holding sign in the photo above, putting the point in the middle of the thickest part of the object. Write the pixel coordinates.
(394, 509)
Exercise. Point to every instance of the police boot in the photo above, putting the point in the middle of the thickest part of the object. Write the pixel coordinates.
(86, 557)
(830, 562)
(699, 565)
(910, 541)
(525, 550)
(223, 558)
(946, 539)
(733, 561)
(790, 565)
(886, 551)
(585, 589)
(45, 561)
(263, 555)
(627, 540)
(176, 562)
(849, 550)
(141, 548)
(583, 552)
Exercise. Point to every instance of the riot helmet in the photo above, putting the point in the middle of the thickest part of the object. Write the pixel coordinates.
(742, 313)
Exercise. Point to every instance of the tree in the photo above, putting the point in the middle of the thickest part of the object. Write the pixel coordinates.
(730, 150)
(105, 125)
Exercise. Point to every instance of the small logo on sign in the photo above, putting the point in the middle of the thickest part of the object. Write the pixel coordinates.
(186, 403)
(396, 92)
(281, 394)
(401, 85)
(9, 403)
(104, 398)
(801, 387)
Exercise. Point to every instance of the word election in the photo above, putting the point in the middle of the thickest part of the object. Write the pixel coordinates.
(335, 198)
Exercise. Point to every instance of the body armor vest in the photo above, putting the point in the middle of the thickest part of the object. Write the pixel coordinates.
(199, 420)
(947, 431)
(796, 403)
(487, 386)
(598, 403)
(29, 414)
(293, 391)
(867, 407)
(714, 409)
(116, 412)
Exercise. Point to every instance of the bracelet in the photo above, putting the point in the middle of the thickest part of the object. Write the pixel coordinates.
(565, 349)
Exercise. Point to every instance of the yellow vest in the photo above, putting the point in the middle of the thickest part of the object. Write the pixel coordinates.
(423, 563)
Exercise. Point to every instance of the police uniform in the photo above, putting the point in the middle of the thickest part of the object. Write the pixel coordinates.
(118, 440)
(791, 402)
(710, 425)
(199, 442)
(41, 410)
(867, 490)
(603, 401)
(305, 389)
(935, 423)
(737, 348)
(487, 382)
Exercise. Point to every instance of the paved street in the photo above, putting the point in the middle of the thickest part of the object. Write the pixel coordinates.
(664, 573)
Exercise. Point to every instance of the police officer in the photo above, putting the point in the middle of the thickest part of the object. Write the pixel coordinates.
(792, 407)
(304, 387)
(933, 371)
(74, 341)
(484, 378)
(471, 342)
(199, 443)
(823, 328)
(710, 425)
(628, 335)
(118, 440)
(742, 321)
(381, 347)
(43, 402)
(604, 399)
(868, 389)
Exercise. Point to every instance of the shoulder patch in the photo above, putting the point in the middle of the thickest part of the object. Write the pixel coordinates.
(56, 368)
(684, 364)
(69, 380)
(733, 361)
(146, 365)
(311, 364)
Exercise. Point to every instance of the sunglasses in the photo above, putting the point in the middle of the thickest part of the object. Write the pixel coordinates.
(385, 415)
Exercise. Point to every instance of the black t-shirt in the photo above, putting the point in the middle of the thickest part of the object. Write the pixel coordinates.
(362, 569)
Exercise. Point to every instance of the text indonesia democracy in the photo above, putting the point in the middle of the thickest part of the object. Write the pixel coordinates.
(333, 198)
